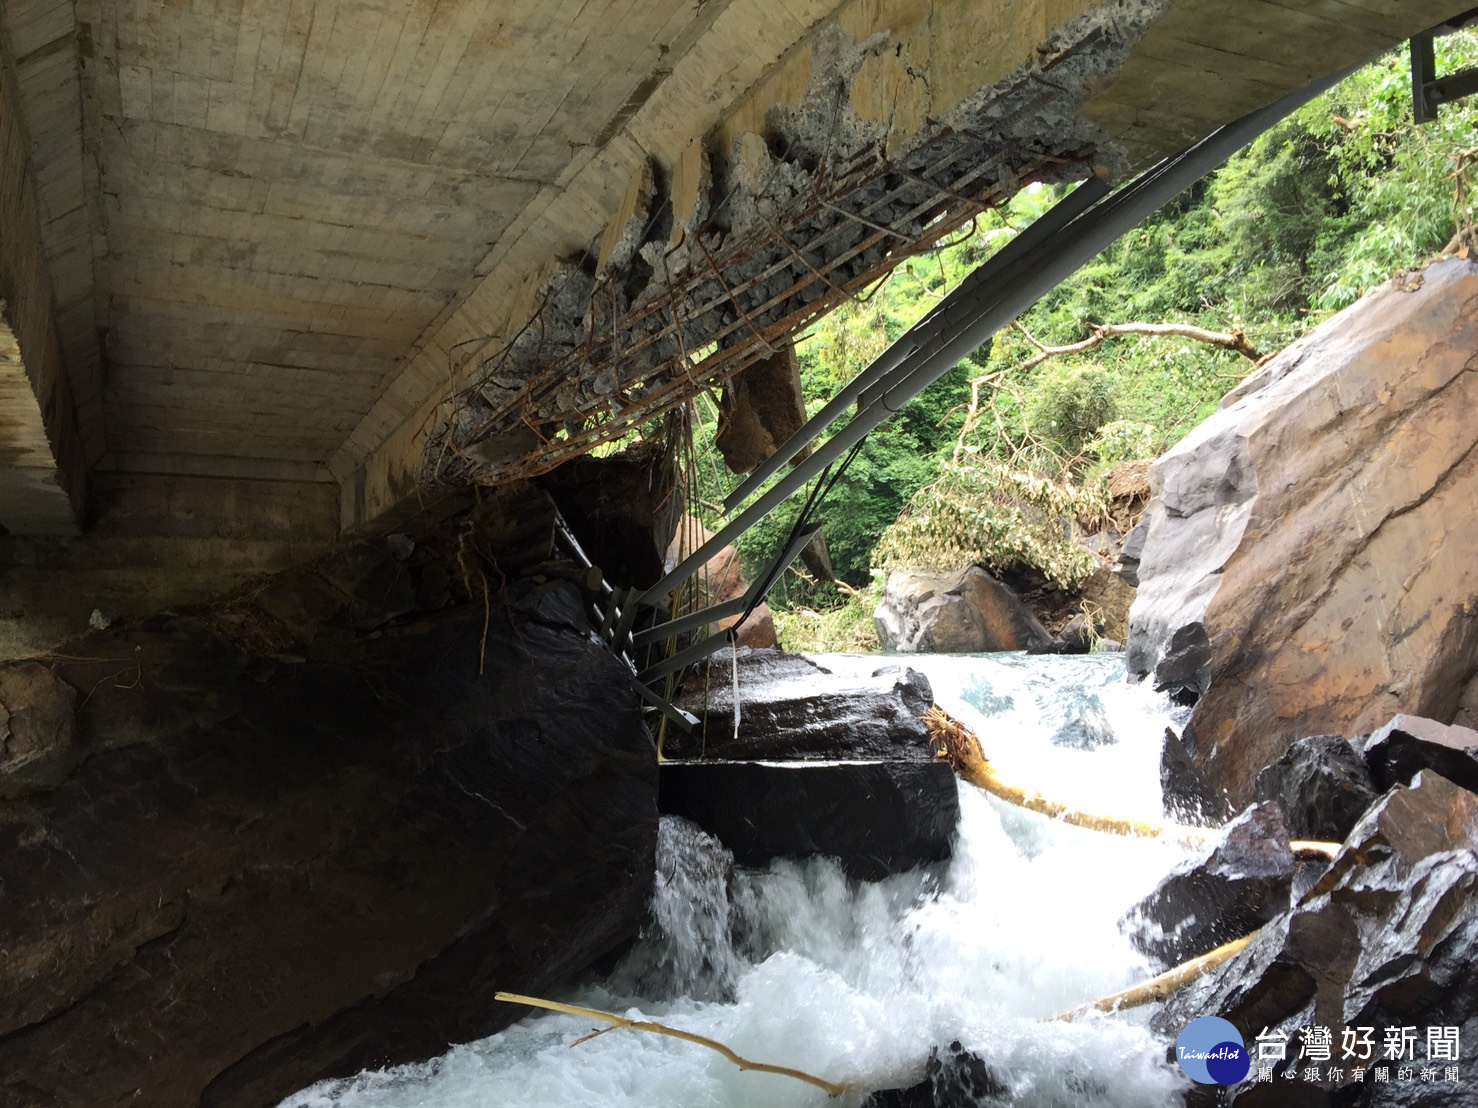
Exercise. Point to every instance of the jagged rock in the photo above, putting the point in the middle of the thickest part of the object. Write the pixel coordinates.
(1076, 637)
(623, 509)
(953, 1077)
(265, 870)
(1299, 572)
(1321, 785)
(761, 406)
(954, 613)
(1407, 745)
(720, 579)
(792, 708)
(1384, 939)
(875, 818)
(1187, 796)
(1235, 885)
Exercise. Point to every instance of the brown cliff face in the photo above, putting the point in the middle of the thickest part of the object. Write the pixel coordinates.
(1309, 565)
(300, 833)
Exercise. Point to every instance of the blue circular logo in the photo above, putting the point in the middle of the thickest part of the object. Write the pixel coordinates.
(1210, 1051)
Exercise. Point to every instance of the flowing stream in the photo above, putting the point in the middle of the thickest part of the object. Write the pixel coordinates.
(856, 982)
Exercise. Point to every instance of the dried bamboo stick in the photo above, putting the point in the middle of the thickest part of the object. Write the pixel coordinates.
(1158, 988)
(832, 1088)
(961, 746)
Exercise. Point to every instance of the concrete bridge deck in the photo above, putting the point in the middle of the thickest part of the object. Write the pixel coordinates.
(267, 268)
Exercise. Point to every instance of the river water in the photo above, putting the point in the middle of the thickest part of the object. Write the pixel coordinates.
(856, 982)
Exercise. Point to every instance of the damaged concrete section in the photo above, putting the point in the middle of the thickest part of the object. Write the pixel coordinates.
(709, 268)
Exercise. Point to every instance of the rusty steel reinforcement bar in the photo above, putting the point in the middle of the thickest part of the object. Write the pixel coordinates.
(1007, 290)
(974, 287)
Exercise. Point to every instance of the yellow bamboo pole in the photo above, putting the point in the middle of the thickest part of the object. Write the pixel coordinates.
(1158, 988)
(961, 746)
(832, 1088)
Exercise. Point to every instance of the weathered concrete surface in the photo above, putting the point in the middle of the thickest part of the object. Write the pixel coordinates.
(286, 230)
(1303, 570)
(298, 833)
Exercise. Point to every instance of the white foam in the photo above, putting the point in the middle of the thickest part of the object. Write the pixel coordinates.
(856, 982)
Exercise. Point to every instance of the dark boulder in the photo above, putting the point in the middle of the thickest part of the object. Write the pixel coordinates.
(823, 764)
(875, 818)
(1321, 786)
(1238, 882)
(791, 708)
(269, 866)
(1409, 744)
(953, 1078)
(1385, 939)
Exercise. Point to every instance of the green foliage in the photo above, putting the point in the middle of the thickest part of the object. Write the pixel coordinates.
(832, 619)
(1070, 402)
(986, 512)
(1321, 208)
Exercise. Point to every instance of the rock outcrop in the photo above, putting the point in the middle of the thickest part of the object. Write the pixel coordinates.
(823, 764)
(1235, 885)
(1383, 940)
(790, 707)
(956, 613)
(1304, 569)
(311, 829)
(1321, 785)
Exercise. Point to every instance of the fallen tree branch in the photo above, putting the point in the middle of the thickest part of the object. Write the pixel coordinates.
(1158, 988)
(952, 740)
(1234, 339)
(832, 1088)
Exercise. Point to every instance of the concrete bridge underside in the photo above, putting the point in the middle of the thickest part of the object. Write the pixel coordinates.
(275, 272)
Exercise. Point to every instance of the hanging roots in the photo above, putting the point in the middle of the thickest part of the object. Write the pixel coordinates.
(952, 740)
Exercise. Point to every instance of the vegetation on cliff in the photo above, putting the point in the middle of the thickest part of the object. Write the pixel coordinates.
(1322, 207)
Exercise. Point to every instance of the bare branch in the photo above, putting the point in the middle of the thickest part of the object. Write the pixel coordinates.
(832, 1088)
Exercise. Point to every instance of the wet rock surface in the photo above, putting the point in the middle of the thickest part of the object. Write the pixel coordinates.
(1407, 745)
(288, 847)
(1321, 785)
(1298, 574)
(959, 613)
(953, 1076)
(875, 818)
(823, 764)
(1236, 884)
(1384, 939)
(792, 708)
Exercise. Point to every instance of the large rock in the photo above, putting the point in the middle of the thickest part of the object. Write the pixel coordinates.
(954, 613)
(823, 764)
(1322, 787)
(1383, 940)
(1407, 745)
(875, 818)
(267, 868)
(1234, 885)
(791, 708)
(1303, 570)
